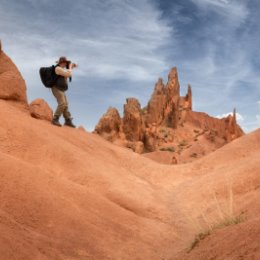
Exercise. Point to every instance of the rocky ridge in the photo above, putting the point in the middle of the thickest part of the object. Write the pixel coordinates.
(167, 124)
(12, 84)
(13, 88)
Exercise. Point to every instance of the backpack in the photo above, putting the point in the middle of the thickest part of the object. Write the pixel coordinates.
(48, 76)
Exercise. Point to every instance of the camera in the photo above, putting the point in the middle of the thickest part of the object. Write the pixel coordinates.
(74, 65)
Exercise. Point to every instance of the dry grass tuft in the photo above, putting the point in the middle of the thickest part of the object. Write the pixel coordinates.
(226, 218)
(227, 222)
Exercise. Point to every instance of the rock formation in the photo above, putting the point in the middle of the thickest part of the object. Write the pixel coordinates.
(164, 105)
(109, 124)
(41, 110)
(171, 113)
(127, 132)
(132, 121)
(13, 88)
(156, 105)
(12, 84)
(168, 123)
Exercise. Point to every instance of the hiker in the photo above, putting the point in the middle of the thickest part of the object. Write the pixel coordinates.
(63, 70)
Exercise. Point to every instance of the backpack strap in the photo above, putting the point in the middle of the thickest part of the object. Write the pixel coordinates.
(54, 67)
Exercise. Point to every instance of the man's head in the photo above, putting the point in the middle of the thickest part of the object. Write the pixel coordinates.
(63, 62)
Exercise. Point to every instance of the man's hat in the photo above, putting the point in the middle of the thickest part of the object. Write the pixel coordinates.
(62, 60)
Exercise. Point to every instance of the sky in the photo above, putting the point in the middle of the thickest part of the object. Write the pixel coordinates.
(122, 47)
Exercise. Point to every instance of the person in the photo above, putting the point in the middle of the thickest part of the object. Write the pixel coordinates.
(63, 70)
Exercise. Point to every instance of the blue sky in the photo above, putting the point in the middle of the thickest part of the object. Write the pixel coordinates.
(123, 47)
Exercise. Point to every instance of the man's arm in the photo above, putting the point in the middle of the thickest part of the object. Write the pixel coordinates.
(62, 72)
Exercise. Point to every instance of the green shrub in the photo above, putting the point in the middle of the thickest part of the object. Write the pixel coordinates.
(167, 149)
(183, 143)
(162, 130)
(144, 110)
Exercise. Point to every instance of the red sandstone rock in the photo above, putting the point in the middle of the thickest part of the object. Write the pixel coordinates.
(166, 107)
(226, 128)
(171, 113)
(81, 128)
(133, 126)
(174, 160)
(168, 121)
(156, 105)
(12, 84)
(109, 125)
(150, 138)
(41, 110)
(137, 147)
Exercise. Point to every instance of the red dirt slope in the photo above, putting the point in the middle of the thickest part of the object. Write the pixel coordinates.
(68, 194)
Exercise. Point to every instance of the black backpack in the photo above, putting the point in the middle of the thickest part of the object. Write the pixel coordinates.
(48, 76)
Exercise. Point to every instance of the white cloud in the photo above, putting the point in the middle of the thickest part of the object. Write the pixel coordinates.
(112, 41)
(234, 11)
(124, 41)
(239, 117)
(121, 40)
(258, 103)
(224, 76)
(213, 81)
(251, 125)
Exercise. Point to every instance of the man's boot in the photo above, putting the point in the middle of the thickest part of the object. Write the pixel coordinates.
(68, 122)
(55, 121)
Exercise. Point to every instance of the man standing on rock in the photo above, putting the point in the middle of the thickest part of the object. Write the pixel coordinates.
(63, 70)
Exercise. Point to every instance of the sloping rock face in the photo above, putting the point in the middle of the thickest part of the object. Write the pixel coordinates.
(12, 84)
(41, 110)
(226, 128)
(168, 123)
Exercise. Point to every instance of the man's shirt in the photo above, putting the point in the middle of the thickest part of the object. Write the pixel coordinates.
(63, 72)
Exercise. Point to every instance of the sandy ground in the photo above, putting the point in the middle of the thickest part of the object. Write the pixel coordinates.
(68, 194)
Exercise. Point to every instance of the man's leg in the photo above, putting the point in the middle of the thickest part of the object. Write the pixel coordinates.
(66, 112)
(67, 115)
(61, 100)
(59, 95)
(62, 108)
